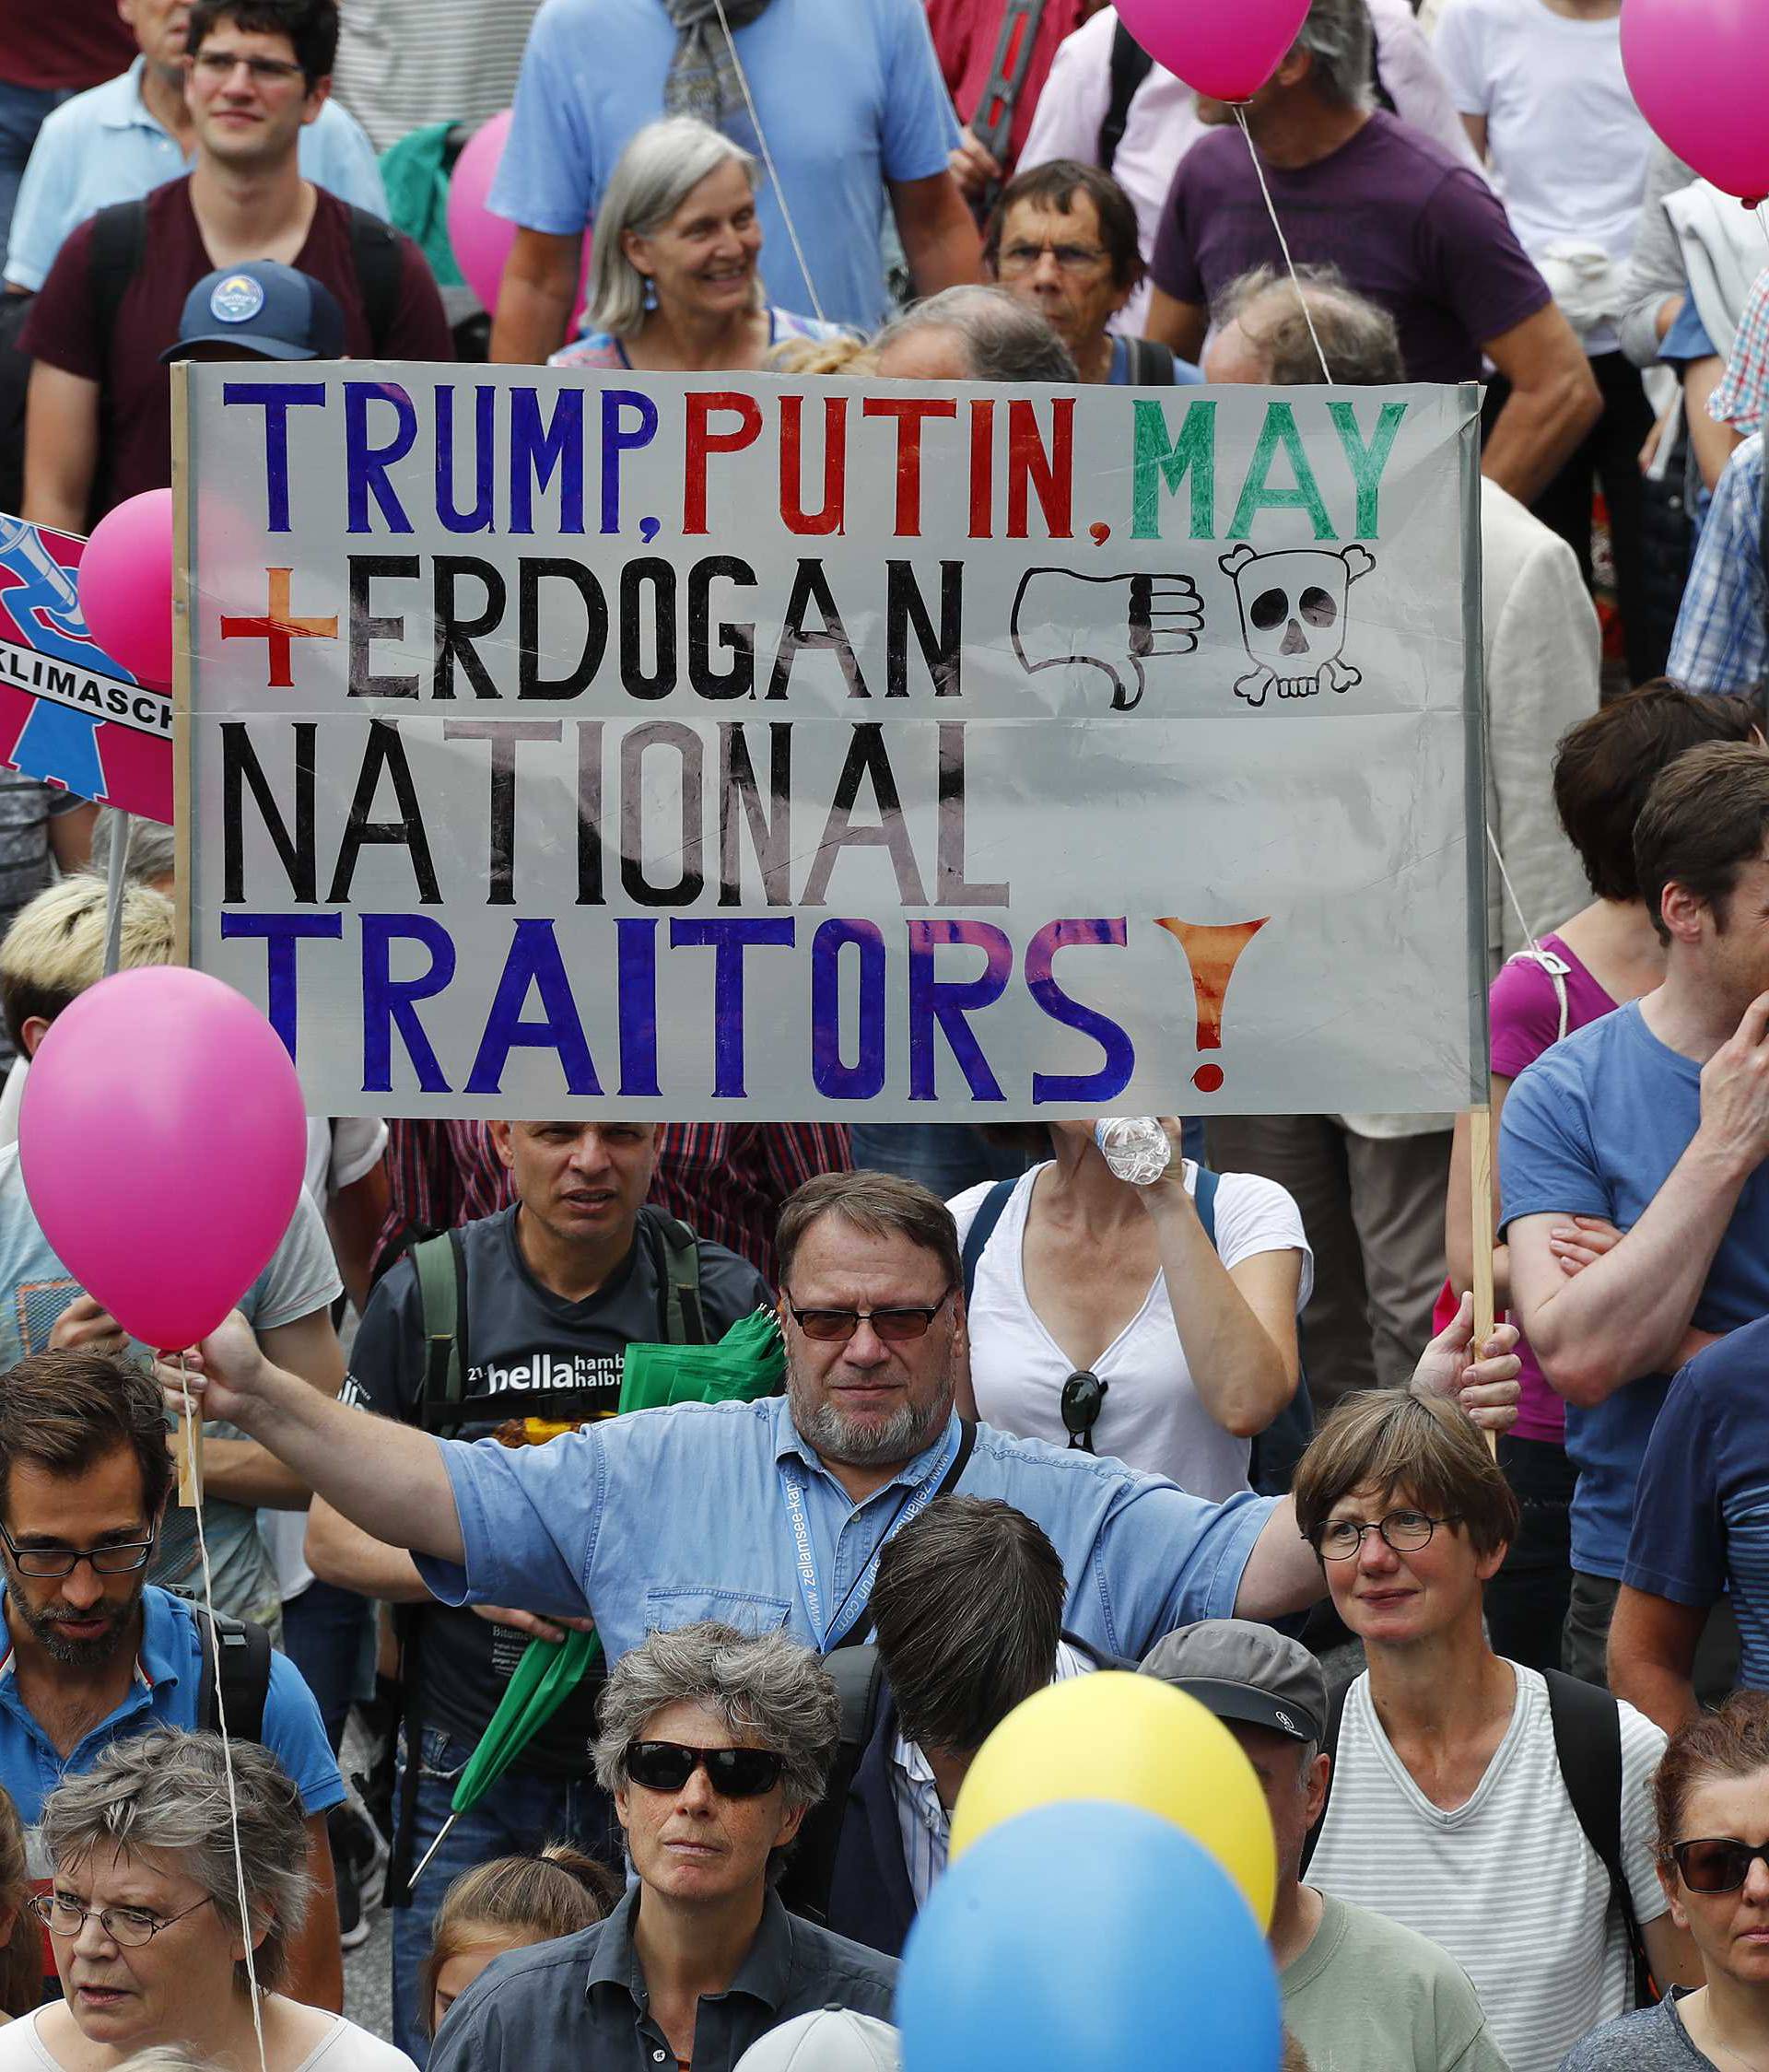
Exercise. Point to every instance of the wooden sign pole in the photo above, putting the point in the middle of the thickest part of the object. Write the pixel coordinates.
(1479, 1180)
(188, 1445)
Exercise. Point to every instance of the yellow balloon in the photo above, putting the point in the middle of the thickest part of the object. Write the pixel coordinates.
(1136, 1740)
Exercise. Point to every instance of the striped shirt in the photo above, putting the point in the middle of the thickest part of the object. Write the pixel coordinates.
(1738, 399)
(405, 63)
(1507, 1883)
(727, 1180)
(1720, 643)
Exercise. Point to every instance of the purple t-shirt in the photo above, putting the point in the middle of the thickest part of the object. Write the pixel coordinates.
(1525, 1013)
(1404, 221)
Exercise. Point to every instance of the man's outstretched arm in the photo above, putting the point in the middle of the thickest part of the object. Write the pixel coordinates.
(386, 1478)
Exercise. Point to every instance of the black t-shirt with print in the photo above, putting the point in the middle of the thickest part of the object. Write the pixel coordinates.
(532, 1355)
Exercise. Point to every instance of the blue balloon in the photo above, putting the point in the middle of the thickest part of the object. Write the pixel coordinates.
(1085, 1938)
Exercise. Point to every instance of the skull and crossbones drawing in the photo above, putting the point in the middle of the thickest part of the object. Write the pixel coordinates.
(1293, 618)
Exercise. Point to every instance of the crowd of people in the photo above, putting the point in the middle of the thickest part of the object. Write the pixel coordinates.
(1490, 1621)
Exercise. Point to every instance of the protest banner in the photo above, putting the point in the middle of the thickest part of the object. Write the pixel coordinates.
(702, 747)
(70, 715)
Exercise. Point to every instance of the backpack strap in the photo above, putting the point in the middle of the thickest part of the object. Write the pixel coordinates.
(440, 1263)
(244, 1676)
(993, 124)
(1586, 1723)
(677, 1255)
(379, 262)
(1130, 65)
(1330, 1748)
(1558, 971)
(856, 1674)
(118, 245)
(982, 1228)
(1150, 363)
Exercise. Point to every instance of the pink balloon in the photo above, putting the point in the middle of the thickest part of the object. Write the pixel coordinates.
(1699, 70)
(162, 1138)
(1226, 50)
(482, 240)
(126, 587)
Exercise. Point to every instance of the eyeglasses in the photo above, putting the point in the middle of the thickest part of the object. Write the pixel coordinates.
(1341, 1539)
(118, 1559)
(218, 66)
(1082, 1394)
(836, 1327)
(1716, 1865)
(127, 1927)
(1073, 259)
(731, 1772)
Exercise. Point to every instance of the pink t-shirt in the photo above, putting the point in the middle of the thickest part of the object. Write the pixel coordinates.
(1525, 1013)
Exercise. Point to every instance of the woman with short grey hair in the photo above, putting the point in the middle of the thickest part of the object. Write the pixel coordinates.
(675, 284)
(147, 1921)
(714, 1744)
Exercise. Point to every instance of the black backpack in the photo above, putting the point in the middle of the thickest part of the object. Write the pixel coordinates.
(235, 1676)
(119, 241)
(1586, 1723)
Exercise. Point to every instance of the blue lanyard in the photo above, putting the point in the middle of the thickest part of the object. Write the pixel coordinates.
(810, 1587)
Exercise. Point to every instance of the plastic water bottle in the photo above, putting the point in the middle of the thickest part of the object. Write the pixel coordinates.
(1135, 1147)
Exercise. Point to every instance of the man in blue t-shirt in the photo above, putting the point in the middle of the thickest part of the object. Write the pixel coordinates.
(1654, 1123)
(1701, 1532)
(843, 103)
(94, 1653)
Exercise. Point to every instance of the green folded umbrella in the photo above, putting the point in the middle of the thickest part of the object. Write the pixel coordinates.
(747, 1363)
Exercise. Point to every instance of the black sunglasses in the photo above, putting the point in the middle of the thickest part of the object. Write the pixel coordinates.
(1716, 1865)
(896, 1326)
(731, 1772)
(1083, 1394)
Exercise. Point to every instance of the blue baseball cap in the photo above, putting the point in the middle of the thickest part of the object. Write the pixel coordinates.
(265, 310)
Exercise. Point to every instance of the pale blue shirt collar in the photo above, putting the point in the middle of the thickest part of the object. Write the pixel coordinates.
(791, 1445)
(121, 105)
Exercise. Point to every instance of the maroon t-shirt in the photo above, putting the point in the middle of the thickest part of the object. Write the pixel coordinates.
(135, 389)
(1405, 222)
(74, 43)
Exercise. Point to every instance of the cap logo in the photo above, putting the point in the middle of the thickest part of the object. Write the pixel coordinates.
(1283, 1719)
(237, 300)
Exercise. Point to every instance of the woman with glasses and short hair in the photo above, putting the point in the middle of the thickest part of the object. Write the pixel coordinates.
(1155, 1324)
(1711, 1797)
(1448, 1808)
(713, 1744)
(149, 1929)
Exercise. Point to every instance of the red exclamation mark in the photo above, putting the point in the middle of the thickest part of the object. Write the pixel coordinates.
(1213, 953)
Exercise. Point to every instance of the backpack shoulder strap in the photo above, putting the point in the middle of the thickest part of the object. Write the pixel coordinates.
(684, 1321)
(1130, 65)
(119, 243)
(1204, 1200)
(856, 1674)
(241, 1650)
(1151, 363)
(982, 1228)
(1587, 1724)
(440, 1263)
(1330, 1748)
(381, 270)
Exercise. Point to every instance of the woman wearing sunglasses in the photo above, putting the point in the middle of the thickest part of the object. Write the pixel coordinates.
(713, 1745)
(1112, 1319)
(1711, 1797)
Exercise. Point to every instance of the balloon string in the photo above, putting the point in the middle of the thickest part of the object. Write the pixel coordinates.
(226, 1746)
(767, 158)
(1284, 245)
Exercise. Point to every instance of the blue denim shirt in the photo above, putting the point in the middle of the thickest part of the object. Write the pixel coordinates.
(664, 1517)
(164, 1691)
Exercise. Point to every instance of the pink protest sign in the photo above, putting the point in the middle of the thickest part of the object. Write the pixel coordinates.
(69, 715)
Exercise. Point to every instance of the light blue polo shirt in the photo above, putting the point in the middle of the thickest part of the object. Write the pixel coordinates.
(662, 1518)
(103, 147)
(165, 1692)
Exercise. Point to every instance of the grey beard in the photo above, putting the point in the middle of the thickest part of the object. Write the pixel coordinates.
(845, 1440)
(73, 1654)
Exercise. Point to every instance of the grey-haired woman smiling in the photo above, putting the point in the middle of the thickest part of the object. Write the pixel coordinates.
(676, 287)
(148, 1929)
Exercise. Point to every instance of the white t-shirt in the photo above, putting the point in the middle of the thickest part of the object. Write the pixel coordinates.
(1507, 1883)
(343, 2048)
(1151, 1417)
(1568, 146)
